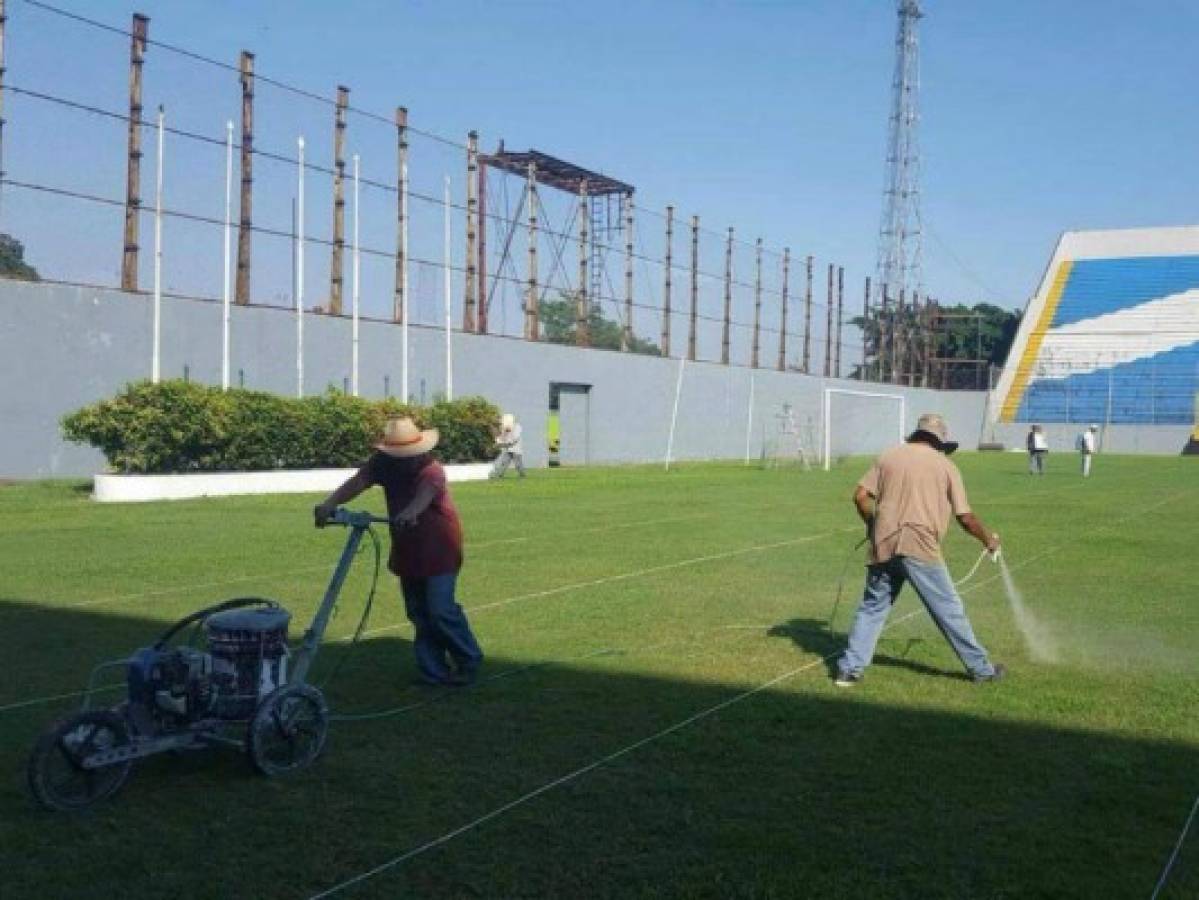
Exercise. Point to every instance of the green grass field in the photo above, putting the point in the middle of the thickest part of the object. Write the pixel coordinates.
(656, 717)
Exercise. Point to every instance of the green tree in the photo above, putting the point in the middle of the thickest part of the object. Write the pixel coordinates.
(964, 333)
(12, 260)
(559, 326)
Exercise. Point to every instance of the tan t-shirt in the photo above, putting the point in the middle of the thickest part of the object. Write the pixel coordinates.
(915, 488)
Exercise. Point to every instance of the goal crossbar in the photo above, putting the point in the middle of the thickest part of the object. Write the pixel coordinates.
(827, 404)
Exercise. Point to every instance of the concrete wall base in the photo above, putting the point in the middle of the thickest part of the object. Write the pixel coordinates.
(144, 488)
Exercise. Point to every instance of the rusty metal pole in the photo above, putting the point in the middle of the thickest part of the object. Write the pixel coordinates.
(472, 212)
(582, 308)
(627, 339)
(807, 321)
(691, 335)
(929, 318)
(245, 223)
(757, 302)
(897, 342)
(912, 323)
(667, 263)
(782, 363)
(884, 330)
(482, 222)
(400, 292)
(865, 328)
(828, 327)
(840, 319)
(133, 179)
(339, 201)
(728, 298)
(532, 301)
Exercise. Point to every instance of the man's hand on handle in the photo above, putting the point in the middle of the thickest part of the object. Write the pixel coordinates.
(322, 513)
(405, 518)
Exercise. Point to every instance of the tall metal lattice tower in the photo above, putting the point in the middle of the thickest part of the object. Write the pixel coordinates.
(900, 231)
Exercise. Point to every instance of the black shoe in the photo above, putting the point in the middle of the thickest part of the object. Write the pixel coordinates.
(999, 674)
(463, 678)
(847, 679)
(423, 681)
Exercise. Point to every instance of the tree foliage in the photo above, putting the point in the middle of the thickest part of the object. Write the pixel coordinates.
(963, 334)
(12, 260)
(559, 326)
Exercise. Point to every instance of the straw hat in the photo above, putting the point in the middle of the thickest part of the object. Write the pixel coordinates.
(401, 438)
(934, 426)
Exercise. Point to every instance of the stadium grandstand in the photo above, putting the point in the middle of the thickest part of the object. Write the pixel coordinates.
(1112, 335)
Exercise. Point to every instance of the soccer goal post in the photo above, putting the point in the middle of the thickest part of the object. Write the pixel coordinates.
(860, 422)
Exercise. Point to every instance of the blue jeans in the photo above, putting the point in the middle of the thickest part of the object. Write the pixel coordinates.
(442, 632)
(935, 588)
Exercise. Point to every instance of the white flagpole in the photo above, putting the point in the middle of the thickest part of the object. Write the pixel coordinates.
(300, 270)
(674, 415)
(225, 284)
(156, 351)
(354, 301)
(749, 421)
(449, 318)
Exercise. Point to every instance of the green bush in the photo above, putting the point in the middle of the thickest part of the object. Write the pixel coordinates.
(176, 426)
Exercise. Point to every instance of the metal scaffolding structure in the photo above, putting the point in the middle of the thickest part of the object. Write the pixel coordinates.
(599, 223)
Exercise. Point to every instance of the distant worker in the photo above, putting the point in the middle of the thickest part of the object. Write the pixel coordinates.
(511, 448)
(1038, 449)
(905, 500)
(426, 548)
(1086, 447)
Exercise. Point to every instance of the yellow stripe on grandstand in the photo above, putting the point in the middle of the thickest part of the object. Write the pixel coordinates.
(1033, 348)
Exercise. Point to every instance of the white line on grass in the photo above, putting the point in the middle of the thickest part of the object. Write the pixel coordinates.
(1161, 882)
(690, 720)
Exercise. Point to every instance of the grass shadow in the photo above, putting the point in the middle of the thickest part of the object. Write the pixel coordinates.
(592, 786)
(815, 637)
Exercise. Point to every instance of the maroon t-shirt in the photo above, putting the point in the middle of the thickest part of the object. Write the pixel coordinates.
(433, 546)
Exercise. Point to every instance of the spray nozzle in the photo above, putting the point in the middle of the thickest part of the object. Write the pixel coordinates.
(994, 554)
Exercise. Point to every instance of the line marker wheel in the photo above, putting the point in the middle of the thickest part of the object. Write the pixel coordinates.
(57, 776)
(289, 730)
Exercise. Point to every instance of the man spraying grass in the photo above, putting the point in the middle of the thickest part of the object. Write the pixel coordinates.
(906, 500)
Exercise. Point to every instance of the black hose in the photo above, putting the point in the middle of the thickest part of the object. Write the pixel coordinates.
(841, 581)
(202, 614)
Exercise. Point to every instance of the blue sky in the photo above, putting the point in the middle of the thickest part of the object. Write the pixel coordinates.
(1038, 115)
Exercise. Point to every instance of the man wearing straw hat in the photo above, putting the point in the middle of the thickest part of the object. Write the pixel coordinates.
(905, 500)
(426, 548)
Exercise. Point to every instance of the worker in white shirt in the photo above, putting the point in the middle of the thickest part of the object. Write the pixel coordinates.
(1038, 449)
(511, 449)
(1086, 447)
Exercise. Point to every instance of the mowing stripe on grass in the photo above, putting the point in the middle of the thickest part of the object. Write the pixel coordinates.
(625, 576)
(677, 726)
(240, 579)
(530, 667)
(561, 589)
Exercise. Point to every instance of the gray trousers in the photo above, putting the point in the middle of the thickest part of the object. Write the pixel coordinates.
(1036, 462)
(502, 462)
